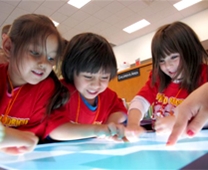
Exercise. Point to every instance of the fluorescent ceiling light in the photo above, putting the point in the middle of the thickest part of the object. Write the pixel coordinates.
(185, 3)
(55, 23)
(78, 3)
(136, 26)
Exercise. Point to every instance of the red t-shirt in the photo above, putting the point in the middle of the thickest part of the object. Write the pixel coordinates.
(171, 97)
(29, 109)
(108, 103)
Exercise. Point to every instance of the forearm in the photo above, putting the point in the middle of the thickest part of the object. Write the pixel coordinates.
(70, 131)
(117, 117)
(8, 138)
(134, 117)
(138, 107)
(17, 138)
(199, 96)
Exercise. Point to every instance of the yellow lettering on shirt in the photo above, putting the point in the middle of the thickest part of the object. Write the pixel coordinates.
(165, 100)
(15, 122)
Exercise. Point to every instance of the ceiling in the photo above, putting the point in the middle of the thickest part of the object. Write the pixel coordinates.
(105, 17)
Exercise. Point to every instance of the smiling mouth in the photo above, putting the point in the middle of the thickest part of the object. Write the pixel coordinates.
(92, 92)
(38, 73)
(172, 73)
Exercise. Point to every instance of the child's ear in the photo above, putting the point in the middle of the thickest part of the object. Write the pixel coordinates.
(7, 46)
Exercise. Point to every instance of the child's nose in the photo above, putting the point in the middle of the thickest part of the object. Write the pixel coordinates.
(168, 64)
(42, 61)
(96, 83)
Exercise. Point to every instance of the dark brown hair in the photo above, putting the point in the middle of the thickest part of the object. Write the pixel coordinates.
(34, 28)
(88, 52)
(178, 37)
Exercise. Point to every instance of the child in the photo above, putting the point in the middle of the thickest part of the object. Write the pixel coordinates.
(13, 141)
(29, 89)
(178, 69)
(191, 115)
(88, 66)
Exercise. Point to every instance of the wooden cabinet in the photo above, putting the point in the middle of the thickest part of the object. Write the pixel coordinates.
(129, 87)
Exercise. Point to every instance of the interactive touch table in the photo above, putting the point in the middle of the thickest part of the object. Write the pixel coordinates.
(149, 152)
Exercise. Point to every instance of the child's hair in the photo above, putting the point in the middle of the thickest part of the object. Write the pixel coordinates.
(88, 52)
(34, 29)
(178, 37)
(5, 29)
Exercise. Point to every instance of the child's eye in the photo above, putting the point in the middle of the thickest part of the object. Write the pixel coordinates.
(105, 78)
(87, 77)
(174, 57)
(50, 58)
(34, 53)
(161, 61)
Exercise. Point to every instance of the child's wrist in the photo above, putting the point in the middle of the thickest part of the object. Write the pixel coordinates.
(99, 130)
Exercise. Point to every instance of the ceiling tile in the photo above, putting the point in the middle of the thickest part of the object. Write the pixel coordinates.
(102, 14)
(196, 8)
(92, 20)
(126, 3)
(102, 3)
(70, 22)
(54, 5)
(67, 10)
(44, 11)
(13, 15)
(124, 13)
(58, 17)
(91, 8)
(112, 19)
(157, 6)
(28, 6)
(6, 8)
(71, 33)
(80, 15)
(102, 25)
(13, 3)
(82, 27)
(137, 6)
(62, 29)
(114, 7)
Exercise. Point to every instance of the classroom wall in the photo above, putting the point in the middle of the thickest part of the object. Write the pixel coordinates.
(141, 47)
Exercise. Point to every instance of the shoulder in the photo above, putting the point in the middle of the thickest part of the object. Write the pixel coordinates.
(3, 70)
(204, 74)
(204, 69)
(108, 94)
(108, 91)
(3, 73)
(48, 82)
(46, 86)
(3, 66)
(69, 86)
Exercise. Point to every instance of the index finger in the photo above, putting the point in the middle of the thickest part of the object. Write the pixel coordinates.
(178, 128)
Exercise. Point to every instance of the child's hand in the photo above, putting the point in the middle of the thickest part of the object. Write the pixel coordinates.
(111, 131)
(116, 130)
(133, 131)
(164, 125)
(18, 142)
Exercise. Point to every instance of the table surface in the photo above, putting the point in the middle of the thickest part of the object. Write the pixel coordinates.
(149, 152)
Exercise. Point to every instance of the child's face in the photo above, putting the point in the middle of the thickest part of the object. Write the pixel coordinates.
(90, 85)
(36, 63)
(170, 65)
